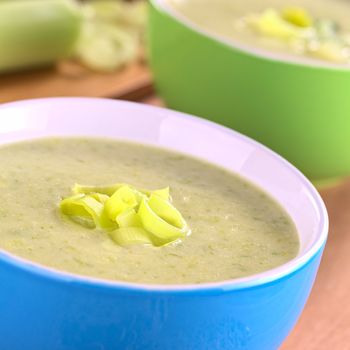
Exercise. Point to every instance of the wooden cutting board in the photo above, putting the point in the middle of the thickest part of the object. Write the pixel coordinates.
(70, 79)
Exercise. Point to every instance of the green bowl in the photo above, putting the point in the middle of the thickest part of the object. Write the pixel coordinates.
(299, 108)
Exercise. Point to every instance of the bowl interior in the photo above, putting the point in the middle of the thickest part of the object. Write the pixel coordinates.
(183, 133)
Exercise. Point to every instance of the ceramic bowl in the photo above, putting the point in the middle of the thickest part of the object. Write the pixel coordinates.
(43, 308)
(299, 108)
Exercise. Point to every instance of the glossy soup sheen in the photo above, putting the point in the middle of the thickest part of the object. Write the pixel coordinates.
(224, 17)
(237, 230)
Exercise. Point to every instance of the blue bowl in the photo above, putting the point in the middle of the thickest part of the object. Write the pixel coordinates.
(45, 309)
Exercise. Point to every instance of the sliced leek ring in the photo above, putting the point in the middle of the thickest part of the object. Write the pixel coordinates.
(107, 190)
(165, 210)
(126, 236)
(298, 16)
(132, 216)
(270, 23)
(83, 209)
(163, 193)
(122, 200)
(129, 218)
(163, 231)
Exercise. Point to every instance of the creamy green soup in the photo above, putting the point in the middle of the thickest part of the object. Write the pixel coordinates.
(236, 229)
(318, 29)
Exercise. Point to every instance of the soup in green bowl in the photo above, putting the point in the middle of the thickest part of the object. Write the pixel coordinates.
(275, 70)
(318, 29)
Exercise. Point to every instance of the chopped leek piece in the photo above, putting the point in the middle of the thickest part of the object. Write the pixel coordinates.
(128, 218)
(102, 198)
(270, 23)
(141, 194)
(163, 193)
(106, 47)
(331, 51)
(297, 16)
(163, 231)
(84, 209)
(107, 190)
(316, 37)
(130, 215)
(131, 235)
(166, 211)
(327, 29)
(129, 13)
(123, 199)
(111, 34)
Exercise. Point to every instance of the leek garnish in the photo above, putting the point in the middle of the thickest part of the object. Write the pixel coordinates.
(162, 230)
(316, 37)
(125, 236)
(297, 16)
(107, 190)
(130, 215)
(129, 218)
(83, 209)
(271, 23)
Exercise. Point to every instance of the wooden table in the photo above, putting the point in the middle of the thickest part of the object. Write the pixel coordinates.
(70, 79)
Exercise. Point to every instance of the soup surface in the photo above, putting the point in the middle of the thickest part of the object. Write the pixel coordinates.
(237, 230)
(252, 22)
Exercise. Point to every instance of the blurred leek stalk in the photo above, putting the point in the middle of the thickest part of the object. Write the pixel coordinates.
(103, 34)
